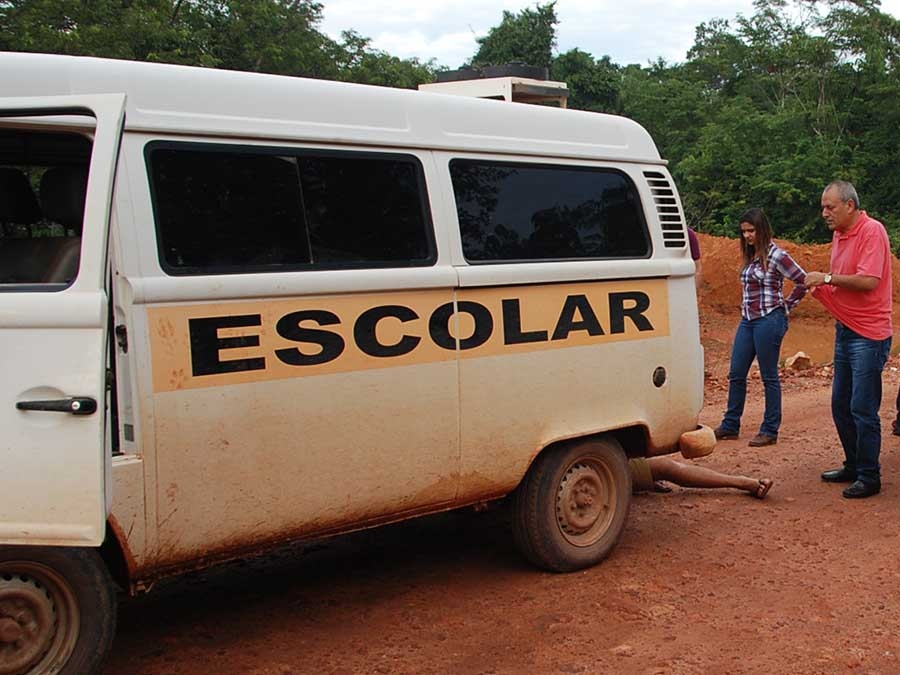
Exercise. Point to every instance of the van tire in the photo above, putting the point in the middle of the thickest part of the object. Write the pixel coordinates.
(571, 507)
(57, 610)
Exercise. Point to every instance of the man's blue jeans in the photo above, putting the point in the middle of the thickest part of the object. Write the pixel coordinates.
(856, 399)
(760, 339)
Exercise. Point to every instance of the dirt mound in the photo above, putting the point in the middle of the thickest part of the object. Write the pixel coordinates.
(812, 327)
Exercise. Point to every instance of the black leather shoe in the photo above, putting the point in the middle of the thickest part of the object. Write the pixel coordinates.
(860, 490)
(762, 439)
(842, 475)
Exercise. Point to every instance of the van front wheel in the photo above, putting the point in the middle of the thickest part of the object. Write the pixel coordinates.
(572, 504)
(57, 610)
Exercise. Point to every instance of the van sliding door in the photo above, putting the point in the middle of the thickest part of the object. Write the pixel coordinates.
(558, 255)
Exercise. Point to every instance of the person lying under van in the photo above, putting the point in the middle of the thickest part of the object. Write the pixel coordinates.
(647, 472)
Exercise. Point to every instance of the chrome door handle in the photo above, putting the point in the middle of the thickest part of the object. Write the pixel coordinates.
(77, 405)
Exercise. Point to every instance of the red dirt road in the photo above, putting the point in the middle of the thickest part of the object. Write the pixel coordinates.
(701, 581)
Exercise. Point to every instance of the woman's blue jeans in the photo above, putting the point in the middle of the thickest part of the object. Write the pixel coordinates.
(760, 339)
(856, 399)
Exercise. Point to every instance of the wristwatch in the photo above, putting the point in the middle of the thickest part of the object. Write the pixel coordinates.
(828, 278)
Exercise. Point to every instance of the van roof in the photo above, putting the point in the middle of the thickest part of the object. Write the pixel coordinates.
(210, 102)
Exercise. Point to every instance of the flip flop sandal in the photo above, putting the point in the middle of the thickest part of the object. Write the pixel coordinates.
(765, 484)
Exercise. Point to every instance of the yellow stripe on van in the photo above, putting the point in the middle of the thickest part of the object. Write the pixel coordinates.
(217, 344)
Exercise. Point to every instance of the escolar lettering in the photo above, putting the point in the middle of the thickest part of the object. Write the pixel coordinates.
(310, 329)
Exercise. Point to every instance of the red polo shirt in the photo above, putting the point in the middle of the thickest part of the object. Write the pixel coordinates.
(863, 249)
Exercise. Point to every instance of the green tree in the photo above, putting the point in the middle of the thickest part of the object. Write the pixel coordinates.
(144, 30)
(527, 37)
(866, 85)
(359, 62)
(673, 106)
(717, 59)
(270, 36)
(593, 83)
(769, 108)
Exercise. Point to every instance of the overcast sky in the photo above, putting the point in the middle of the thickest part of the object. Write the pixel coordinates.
(628, 31)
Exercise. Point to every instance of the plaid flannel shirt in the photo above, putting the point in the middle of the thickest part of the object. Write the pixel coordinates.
(764, 288)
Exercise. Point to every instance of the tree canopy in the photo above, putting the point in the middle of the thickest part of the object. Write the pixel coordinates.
(270, 36)
(527, 37)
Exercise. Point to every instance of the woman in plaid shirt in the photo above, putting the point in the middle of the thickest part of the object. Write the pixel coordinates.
(764, 321)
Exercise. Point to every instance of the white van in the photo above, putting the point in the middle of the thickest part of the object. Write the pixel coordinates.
(241, 309)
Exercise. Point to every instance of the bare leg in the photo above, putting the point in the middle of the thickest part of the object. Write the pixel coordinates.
(692, 475)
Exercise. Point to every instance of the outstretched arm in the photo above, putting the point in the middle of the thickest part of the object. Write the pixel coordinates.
(851, 282)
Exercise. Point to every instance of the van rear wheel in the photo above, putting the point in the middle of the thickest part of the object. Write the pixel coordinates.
(57, 610)
(571, 506)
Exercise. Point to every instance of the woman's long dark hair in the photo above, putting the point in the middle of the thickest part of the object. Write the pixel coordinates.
(757, 218)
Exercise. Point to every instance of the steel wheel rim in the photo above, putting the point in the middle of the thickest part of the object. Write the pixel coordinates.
(585, 502)
(39, 618)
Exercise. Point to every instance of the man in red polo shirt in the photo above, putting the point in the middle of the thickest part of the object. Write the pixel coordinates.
(857, 291)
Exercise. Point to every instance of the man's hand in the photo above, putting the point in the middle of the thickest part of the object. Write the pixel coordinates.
(814, 279)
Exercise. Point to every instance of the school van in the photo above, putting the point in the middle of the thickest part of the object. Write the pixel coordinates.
(240, 309)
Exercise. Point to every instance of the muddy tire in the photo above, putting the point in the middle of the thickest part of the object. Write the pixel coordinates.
(571, 507)
(57, 610)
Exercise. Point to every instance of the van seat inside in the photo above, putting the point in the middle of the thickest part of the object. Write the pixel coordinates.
(35, 258)
(18, 205)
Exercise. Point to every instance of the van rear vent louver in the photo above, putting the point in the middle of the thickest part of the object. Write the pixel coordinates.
(667, 208)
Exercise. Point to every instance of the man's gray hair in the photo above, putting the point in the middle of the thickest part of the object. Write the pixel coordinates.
(845, 191)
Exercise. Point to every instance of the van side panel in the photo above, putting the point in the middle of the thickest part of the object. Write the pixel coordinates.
(279, 404)
(685, 369)
(578, 340)
(129, 508)
(260, 462)
(566, 362)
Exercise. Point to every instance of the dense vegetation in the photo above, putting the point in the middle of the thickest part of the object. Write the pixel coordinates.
(267, 36)
(765, 109)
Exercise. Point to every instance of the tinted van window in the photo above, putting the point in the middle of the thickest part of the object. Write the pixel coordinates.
(511, 211)
(221, 209)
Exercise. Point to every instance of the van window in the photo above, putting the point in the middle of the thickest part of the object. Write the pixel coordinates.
(221, 209)
(43, 183)
(527, 212)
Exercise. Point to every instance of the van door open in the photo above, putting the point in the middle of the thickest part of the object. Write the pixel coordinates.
(57, 164)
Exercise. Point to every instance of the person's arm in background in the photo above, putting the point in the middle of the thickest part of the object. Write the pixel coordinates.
(789, 268)
(695, 255)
